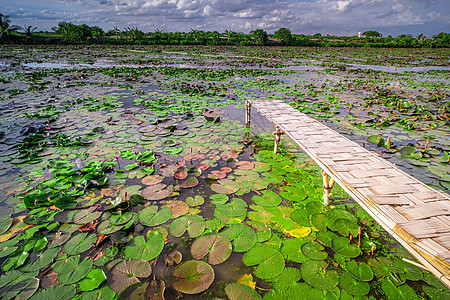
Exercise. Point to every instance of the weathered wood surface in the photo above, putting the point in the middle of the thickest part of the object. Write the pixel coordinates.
(417, 215)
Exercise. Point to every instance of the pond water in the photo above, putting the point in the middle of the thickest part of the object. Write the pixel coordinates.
(131, 174)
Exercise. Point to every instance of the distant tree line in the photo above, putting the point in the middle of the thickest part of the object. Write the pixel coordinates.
(69, 33)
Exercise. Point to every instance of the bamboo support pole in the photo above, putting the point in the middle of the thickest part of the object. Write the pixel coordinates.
(248, 108)
(277, 134)
(327, 186)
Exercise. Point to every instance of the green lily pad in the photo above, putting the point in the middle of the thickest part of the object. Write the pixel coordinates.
(403, 291)
(193, 277)
(316, 274)
(92, 280)
(346, 227)
(219, 199)
(195, 201)
(326, 237)
(38, 261)
(287, 278)
(236, 208)
(342, 246)
(193, 224)
(268, 198)
(314, 250)
(435, 293)
(263, 231)
(269, 261)
(72, 270)
(237, 291)
(16, 285)
(383, 267)
(353, 286)
(120, 218)
(292, 250)
(147, 250)
(294, 193)
(8, 247)
(150, 216)
(126, 273)
(56, 292)
(360, 271)
(225, 186)
(216, 246)
(242, 236)
(301, 217)
(411, 271)
(79, 243)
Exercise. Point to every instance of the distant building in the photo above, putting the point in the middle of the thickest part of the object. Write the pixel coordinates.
(359, 34)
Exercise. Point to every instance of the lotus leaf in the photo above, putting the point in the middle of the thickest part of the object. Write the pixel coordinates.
(260, 214)
(225, 186)
(188, 183)
(155, 290)
(178, 208)
(286, 279)
(152, 179)
(342, 246)
(263, 231)
(193, 277)
(156, 192)
(314, 250)
(92, 280)
(268, 198)
(236, 208)
(8, 247)
(293, 193)
(16, 285)
(411, 271)
(292, 250)
(56, 292)
(140, 249)
(216, 246)
(326, 237)
(72, 270)
(126, 273)
(219, 199)
(39, 261)
(195, 201)
(269, 261)
(360, 271)
(193, 224)
(301, 217)
(79, 243)
(402, 292)
(435, 293)
(242, 236)
(346, 227)
(353, 286)
(120, 218)
(237, 291)
(316, 274)
(174, 257)
(107, 228)
(150, 216)
(383, 267)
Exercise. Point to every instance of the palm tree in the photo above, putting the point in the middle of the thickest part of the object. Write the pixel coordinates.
(28, 31)
(5, 27)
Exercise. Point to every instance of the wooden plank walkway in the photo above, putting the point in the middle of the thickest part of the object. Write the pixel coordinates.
(415, 214)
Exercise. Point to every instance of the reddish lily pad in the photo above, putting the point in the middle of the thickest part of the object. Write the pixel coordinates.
(216, 246)
(193, 277)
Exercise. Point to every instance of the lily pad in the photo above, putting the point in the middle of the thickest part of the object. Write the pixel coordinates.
(314, 250)
(56, 292)
(92, 280)
(268, 198)
(150, 216)
(342, 246)
(268, 260)
(147, 250)
(178, 208)
(188, 183)
(225, 186)
(346, 227)
(195, 201)
(403, 291)
(301, 217)
(243, 237)
(237, 291)
(72, 270)
(16, 285)
(292, 250)
(316, 274)
(193, 224)
(79, 243)
(353, 286)
(411, 271)
(156, 192)
(126, 273)
(216, 246)
(193, 277)
(360, 271)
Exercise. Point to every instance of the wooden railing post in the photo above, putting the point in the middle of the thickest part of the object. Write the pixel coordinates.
(327, 186)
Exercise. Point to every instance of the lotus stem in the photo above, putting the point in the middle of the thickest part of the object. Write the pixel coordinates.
(359, 236)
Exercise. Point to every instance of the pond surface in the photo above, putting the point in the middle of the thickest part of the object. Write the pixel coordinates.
(130, 173)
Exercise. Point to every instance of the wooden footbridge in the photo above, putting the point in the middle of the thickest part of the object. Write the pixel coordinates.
(415, 214)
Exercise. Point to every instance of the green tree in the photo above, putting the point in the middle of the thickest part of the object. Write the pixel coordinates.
(260, 36)
(284, 35)
(372, 33)
(5, 27)
(28, 31)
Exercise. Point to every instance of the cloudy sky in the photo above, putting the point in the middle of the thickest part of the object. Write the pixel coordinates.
(341, 17)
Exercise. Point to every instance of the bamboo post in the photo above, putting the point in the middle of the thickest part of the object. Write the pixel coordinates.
(277, 134)
(327, 186)
(248, 108)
